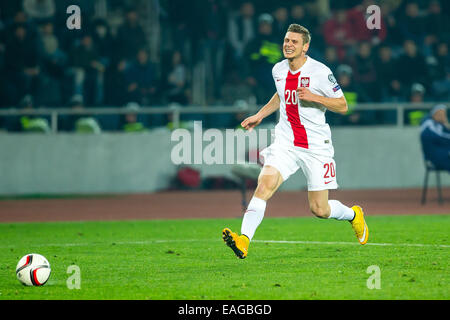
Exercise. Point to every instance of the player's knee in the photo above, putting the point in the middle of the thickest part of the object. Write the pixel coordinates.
(266, 187)
(319, 211)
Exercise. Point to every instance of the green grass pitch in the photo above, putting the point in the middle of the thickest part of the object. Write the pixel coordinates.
(186, 259)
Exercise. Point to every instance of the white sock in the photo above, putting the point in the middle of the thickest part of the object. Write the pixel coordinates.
(339, 211)
(253, 217)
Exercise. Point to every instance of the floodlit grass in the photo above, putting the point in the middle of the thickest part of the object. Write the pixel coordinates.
(186, 259)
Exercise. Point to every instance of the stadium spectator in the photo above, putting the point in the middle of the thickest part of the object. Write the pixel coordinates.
(235, 88)
(130, 36)
(20, 17)
(241, 30)
(417, 96)
(411, 66)
(437, 24)
(331, 58)
(394, 37)
(15, 123)
(307, 15)
(344, 77)
(412, 23)
(281, 22)
(261, 54)
(177, 81)
(132, 121)
(441, 73)
(235, 91)
(32, 123)
(53, 63)
(417, 93)
(67, 122)
(141, 80)
(435, 138)
(104, 43)
(39, 10)
(9, 8)
(49, 40)
(354, 94)
(214, 27)
(389, 86)
(338, 32)
(115, 84)
(364, 71)
(22, 64)
(80, 123)
(87, 68)
(299, 14)
(179, 24)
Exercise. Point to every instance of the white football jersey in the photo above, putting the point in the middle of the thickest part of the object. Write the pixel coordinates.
(302, 124)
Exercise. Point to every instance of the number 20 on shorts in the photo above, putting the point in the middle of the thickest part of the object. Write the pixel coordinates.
(330, 171)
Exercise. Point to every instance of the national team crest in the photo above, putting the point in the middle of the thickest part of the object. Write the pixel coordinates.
(304, 82)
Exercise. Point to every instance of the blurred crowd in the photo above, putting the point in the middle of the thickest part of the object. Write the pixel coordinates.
(110, 62)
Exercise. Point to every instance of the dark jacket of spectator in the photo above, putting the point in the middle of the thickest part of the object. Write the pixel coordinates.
(331, 58)
(442, 66)
(130, 36)
(141, 79)
(281, 22)
(54, 58)
(103, 40)
(387, 75)
(176, 80)
(213, 20)
(242, 28)
(364, 70)
(411, 66)
(21, 51)
(412, 23)
(437, 23)
(435, 138)
(262, 53)
(84, 55)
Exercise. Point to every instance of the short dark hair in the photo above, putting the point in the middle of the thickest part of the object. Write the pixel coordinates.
(302, 30)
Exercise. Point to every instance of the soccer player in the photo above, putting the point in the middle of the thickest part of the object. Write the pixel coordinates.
(306, 88)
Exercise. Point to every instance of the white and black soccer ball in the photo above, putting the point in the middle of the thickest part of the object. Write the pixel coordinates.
(33, 270)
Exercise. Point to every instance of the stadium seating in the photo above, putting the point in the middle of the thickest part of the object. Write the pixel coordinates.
(429, 167)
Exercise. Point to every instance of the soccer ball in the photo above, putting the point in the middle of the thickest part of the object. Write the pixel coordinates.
(33, 270)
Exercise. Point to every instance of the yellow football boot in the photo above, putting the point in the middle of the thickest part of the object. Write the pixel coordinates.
(239, 244)
(359, 225)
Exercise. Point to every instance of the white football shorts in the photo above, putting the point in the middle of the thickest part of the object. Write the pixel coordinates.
(319, 170)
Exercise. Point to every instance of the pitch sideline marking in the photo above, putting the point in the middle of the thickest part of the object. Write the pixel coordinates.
(146, 242)
(354, 243)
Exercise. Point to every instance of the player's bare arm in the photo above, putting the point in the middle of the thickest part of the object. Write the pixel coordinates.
(338, 105)
(271, 106)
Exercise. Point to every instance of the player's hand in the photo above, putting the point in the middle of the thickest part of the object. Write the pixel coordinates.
(304, 94)
(251, 122)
